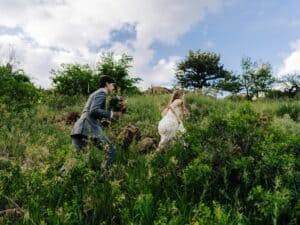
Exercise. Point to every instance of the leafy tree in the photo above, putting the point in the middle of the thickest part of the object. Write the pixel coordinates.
(200, 69)
(256, 78)
(16, 88)
(73, 79)
(291, 84)
(119, 70)
(231, 83)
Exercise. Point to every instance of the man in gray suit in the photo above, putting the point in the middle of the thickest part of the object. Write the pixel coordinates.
(88, 126)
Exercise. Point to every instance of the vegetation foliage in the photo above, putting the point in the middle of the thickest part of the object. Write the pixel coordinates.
(237, 164)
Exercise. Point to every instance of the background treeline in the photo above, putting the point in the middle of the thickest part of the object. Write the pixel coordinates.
(199, 70)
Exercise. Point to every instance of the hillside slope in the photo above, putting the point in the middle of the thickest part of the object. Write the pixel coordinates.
(239, 163)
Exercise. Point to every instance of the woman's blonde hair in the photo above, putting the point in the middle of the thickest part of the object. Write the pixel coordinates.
(177, 94)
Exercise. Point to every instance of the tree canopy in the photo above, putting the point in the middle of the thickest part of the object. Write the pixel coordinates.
(73, 79)
(200, 69)
(291, 84)
(255, 78)
(16, 88)
(119, 70)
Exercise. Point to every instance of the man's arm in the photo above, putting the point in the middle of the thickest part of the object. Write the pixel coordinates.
(96, 110)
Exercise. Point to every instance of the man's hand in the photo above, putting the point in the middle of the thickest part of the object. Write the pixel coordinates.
(117, 115)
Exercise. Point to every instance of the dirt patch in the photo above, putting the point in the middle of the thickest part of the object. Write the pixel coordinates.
(129, 134)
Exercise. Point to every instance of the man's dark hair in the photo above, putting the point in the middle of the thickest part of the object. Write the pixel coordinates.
(106, 79)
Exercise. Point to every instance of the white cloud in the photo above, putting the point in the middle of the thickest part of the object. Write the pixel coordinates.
(37, 60)
(291, 63)
(61, 31)
(163, 72)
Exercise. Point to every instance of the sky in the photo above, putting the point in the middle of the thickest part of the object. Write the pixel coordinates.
(158, 34)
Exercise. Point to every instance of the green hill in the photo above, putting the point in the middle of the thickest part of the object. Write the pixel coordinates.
(239, 163)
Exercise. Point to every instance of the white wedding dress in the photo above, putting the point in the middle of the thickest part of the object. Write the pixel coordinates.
(171, 123)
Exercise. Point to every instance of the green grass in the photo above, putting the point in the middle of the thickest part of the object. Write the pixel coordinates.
(238, 163)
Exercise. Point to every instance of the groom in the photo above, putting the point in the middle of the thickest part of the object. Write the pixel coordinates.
(88, 126)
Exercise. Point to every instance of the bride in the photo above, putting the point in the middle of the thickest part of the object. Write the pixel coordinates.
(171, 123)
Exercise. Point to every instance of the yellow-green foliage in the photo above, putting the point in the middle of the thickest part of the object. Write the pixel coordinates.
(238, 163)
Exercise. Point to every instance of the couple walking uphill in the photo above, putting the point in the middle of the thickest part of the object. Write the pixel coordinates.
(87, 127)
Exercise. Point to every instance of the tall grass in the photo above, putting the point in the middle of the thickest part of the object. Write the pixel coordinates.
(238, 163)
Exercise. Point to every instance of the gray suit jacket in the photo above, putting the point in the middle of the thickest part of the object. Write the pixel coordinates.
(94, 110)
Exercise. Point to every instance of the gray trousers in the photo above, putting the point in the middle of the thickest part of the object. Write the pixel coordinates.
(80, 141)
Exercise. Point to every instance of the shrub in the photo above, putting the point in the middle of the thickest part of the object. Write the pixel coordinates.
(16, 89)
(292, 109)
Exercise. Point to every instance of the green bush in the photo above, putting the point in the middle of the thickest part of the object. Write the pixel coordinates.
(16, 89)
(234, 165)
(291, 109)
(75, 79)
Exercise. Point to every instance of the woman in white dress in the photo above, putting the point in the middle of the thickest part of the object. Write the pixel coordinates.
(171, 123)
